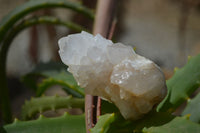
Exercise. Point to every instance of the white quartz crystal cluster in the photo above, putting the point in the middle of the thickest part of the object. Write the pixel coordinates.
(114, 72)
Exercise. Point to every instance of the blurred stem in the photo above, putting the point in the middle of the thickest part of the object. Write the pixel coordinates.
(184, 15)
(34, 37)
(4, 94)
(103, 21)
(33, 49)
(104, 17)
(185, 11)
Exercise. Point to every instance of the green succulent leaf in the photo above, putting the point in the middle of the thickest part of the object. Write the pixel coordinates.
(53, 74)
(64, 124)
(41, 104)
(103, 124)
(7, 25)
(113, 123)
(177, 125)
(154, 122)
(193, 109)
(72, 92)
(184, 82)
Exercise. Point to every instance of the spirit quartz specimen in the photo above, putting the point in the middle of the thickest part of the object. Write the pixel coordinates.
(114, 72)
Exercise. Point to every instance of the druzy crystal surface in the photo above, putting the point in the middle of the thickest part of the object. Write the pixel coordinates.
(114, 72)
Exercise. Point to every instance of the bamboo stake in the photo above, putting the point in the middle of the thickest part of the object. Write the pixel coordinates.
(102, 25)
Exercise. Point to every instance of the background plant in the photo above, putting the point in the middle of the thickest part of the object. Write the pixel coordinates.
(161, 119)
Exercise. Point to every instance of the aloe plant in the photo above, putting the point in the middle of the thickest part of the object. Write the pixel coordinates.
(193, 109)
(55, 74)
(184, 82)
(65, 123)
(109, 122)
(160, 120)
(39, 105)
(8, 31)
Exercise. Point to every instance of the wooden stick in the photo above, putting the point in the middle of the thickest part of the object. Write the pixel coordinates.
(104, 17)
(103, 21)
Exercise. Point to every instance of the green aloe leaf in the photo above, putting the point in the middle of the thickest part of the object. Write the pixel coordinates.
(112, 123)
(72, 92)
(53, 74)
(103, 123)
(64, 124)
(193, 109)
(157, 122)
(177, 125)
(41, 70)
(7, 25)
(41, 104)
(184, 82)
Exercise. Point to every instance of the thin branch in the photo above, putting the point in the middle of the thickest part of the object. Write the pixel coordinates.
(112, 29)
(33, 47)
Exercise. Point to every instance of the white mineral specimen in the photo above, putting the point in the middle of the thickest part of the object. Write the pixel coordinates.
(113, 71)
